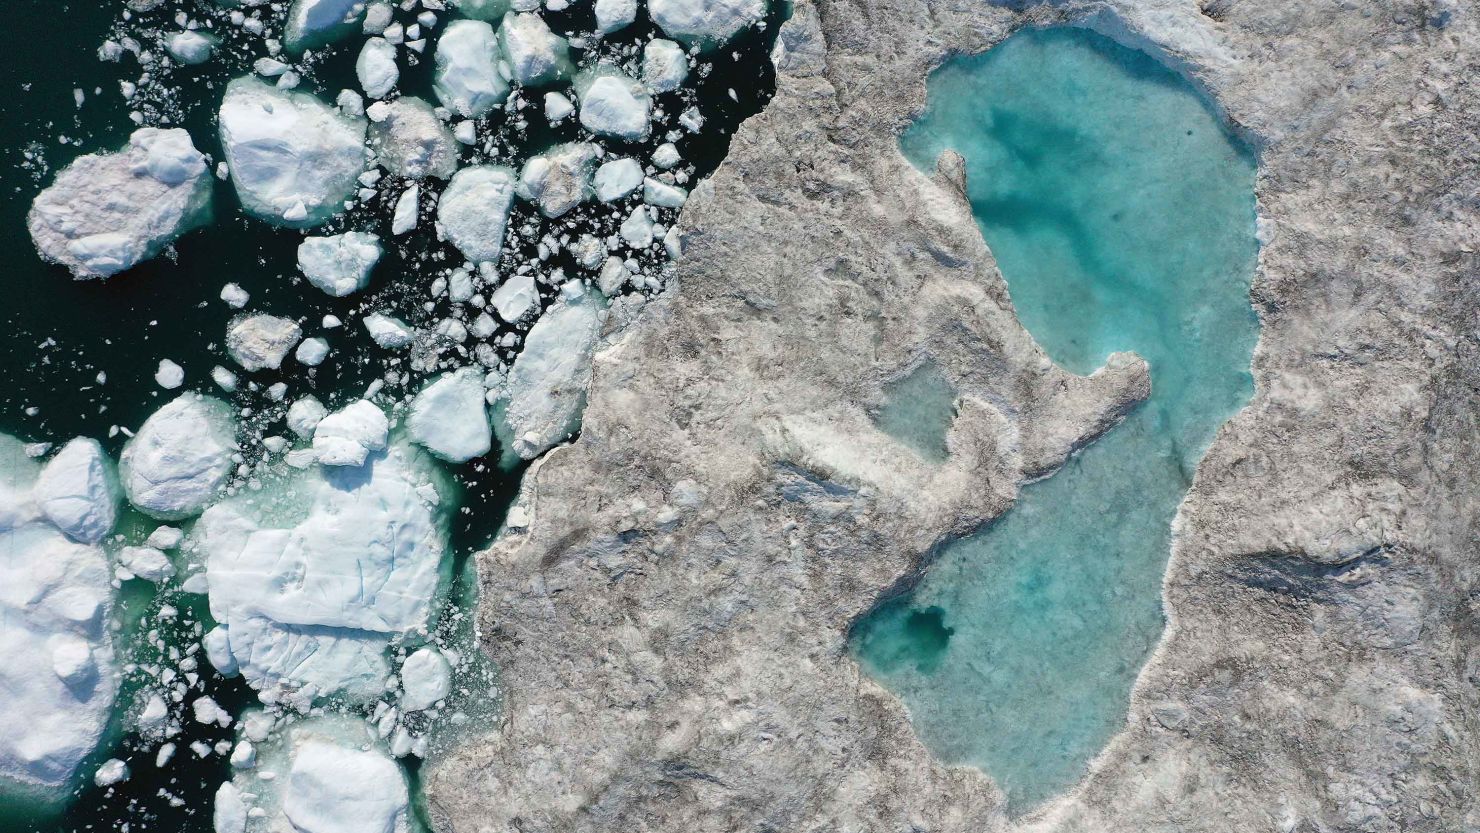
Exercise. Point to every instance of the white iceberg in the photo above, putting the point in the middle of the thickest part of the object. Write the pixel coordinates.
(180, 458)
(515, 297)
(614, 105)
(426, 677)
(542, 402)
(77, 491)
(347, 436)
(474, 210)
(293, 159)
(665, 65)
(376, 68)
(191, 47)
(617, 179)
(708, 23)
(314, 23)
(467, 80)
(612, 15)
(387, 331)
(107, 212)
(449, 418)
(536, 55)
(339, 264)
(409, 140)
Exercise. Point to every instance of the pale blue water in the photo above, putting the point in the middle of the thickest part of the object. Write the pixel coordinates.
(1121, 210)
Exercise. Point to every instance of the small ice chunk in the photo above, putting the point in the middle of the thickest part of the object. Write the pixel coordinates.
(304, 416)
(474, 210)
(207, 712)
(410, 141)
(536, 55)
(179, 458)
(665, 65)
(448, 418)
(637, 229)
(467, 80)
(77, 491)
(347, 436)
(515, 298)
(110, 772)
(147, 563)
(294, 159)
(612, 15)
(234, 296)
(107, 212)
(560, 178)
(339, 264)
(388, 332)
(312, 352)
(261, 342)
(617, 179)
(708, 23)
(244, 755)
(426, 677)
(614, 105)
(546, 392)
(224, 379)
(169, 375)
(165, 538)
(403, 216)
(663, 195)
(190, 47)
(376, 68)
(613, 277)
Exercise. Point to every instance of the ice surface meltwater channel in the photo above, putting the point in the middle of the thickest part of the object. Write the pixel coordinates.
(1120, 208)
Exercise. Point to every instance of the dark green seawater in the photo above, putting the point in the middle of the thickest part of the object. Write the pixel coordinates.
(1120, 207)
(59, 336)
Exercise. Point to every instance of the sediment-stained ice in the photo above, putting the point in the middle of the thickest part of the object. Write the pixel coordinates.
(560, 178)
(261, 342)
(410, 141)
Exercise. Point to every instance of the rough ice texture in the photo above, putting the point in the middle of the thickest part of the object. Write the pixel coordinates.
(108, 212)
(612, 15)
(410, 141)
(665, 65)
(474, 210)
(560, 178)
(347, 436)
(261, 342)
(339, 264)
(313, 22)
(56, 657)
(78, 492)
(387, 331)
(191, 47)
(536, 55)
(376, 67)
(467, 78)
(617, 179)
(426, 677)
(448, 417)
(1316, 674)
(705, 22)
(614, 105)
(315, 574)
(293, 159)
(515, 297)
(180, 457)
(546, 389)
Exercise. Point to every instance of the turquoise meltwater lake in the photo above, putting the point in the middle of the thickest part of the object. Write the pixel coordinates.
(1120, 207)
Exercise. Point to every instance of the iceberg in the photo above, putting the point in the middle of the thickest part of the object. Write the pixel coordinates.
(314, 23)
(559, 179)
(474, 210)
(261, 342)
(426, 677)
(707, 23)
(180, 458)
(617, 179)
(107, 212)
(347, 436)
(339, 264)
(409, 140)
(536, 55)
(546, 390)
(78, 492)
(467, 80)
(293, 159)
(665, 65)
(449, 419)
(376, 68)
(614, 105)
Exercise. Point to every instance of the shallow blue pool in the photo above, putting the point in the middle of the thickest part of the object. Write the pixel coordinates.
(1121, 211)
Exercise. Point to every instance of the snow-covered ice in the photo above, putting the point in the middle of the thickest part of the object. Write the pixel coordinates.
(180, 457)
(312, 352)
(315, 22)
(708, 23)
(77, 491)
(515, 297)
(612, 15)
(376, 68)
(387, 331)
(191, 47)
(169, 375)
(546, 390)
(536, 55)
(663, 195)
(304, 416)
(467, 80)
(339, 264)
(559, 179)
(347, 436)
(107, 212)
(407, 211)
(614, 105)
(294, 159)
(261, 342)
(146, 563)
(426, 677)
(449, 418)
(665, 65)
(474, 210)
(617, 179)
(557, 107)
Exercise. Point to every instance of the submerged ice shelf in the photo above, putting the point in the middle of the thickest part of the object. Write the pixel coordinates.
(1120, 209)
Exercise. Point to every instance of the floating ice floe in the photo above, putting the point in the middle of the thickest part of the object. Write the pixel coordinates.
(614, 105)
(546, 390)
(331, 777)
(56, 657)
(559, 179)
(665, 65)
(312, 352)
(617, 178)
(180, 458)
(536, 55)
(409, 140)
(261, 342)
(612, 15)
(339, 264)
(449, 418)
(376, 68)
(474, 210)
(426, 678)
(467, 80)
(316, 574)
(293, 159)
(515, 297)
(347, 436)
(316, 22)
(191, 47)
(304, 416)
(108, 212)
(707, 23)
(146, 563)
(78, 492)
